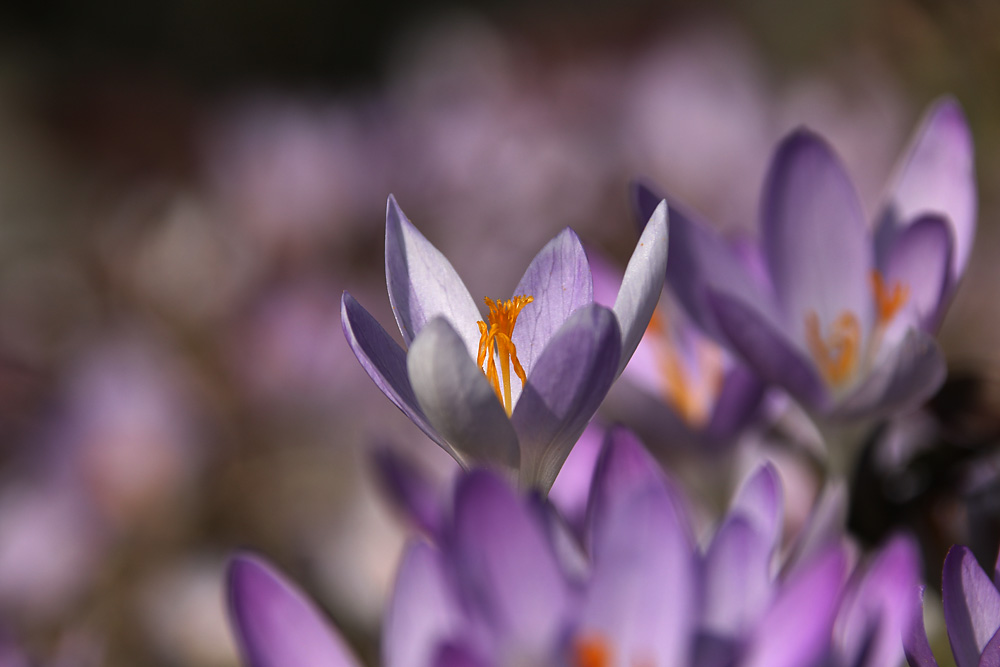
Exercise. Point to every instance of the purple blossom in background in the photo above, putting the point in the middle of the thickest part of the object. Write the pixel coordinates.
(838, 319)
(565, 349)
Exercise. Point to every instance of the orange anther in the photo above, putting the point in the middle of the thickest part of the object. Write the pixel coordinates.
(690, 397)
(888, 300)
(836, 354)
(495, 344)
(590, 651)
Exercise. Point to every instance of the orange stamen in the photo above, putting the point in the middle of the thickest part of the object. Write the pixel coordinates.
(590, 652)
(888, 300)
(495, 344)
(836, 354)
(693, 406)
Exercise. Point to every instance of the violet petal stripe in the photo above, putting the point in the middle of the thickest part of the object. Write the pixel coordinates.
(938, 176)
(915, 645)
(423, 284)
(815, 237)
(275, 624)
(642, 283)
(558, 279)
(385, 362)
(971, 606)
(567, 385)
(768, 352)
(458, 400)
(920, 261)
(906, 376)
(642, 598)
(804, 610)
(506, 564)
(423, 610)
(738, 586)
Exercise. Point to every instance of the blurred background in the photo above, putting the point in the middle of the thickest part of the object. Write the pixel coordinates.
(186, 188)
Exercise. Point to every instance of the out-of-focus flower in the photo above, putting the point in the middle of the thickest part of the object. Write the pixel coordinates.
(544, 378)
(971, 612)
(275, 624)
(838, 320)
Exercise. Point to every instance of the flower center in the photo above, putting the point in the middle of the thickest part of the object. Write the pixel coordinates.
(691, 395)
(888, 299)
(495, 345)
(836, 353)
(590, 651)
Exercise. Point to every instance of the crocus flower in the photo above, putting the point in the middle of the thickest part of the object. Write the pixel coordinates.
(275, 624)
(550, 353)
(837, 318)
(971, 613)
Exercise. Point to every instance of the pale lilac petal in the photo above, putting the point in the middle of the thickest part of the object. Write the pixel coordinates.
(738, 582)
(508, 569)
(796, 629)
(570, 492)
(737, 404)
(275, 624)
(423, 284)
(564, 390)
(915, 645)
(971, 606)
(423, 611)
(920, 260)
(824, 527)
(877, 611)
(385, 362)
(761, 500)
(458, 400)
(559, 280)
(938, 176)
(908, 374)
(410, 490)
(815, 237)
(642, 284)
(768, 352)
(642, 599)
(991, 654)
(607, 278)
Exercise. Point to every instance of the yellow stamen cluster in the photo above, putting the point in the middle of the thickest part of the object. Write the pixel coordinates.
(888, 300)
(837, 354)
(495, 344)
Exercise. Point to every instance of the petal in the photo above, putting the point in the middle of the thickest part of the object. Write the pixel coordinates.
(796, 629)
(571, 490)
(457, 398)
(761, 500)
(456, 655)
(920, 259)
(815, 236)
(423, 284)
(642, 600)
(642, 284)
(559, 280)
(991, 654)
(385, 362)
(423, 611)
(564, 390)
(907, 376)
(508, 568)
(738, 578)
(971, 606)
(915, 645)
(275, 623)
(410, 490)
(772, 356)
(938, 176)
(645, 199)
(737, 404)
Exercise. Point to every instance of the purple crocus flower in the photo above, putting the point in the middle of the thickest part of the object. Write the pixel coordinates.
(275, 624)
(489, 392)
(839, 319)
(971, 612)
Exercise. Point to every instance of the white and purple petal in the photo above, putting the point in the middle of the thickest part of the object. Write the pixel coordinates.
(971, 606)
(919, 260)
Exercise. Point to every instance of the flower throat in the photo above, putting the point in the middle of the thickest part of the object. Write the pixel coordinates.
(495, 345)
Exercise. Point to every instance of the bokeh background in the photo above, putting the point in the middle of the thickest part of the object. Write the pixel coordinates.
(186, 188)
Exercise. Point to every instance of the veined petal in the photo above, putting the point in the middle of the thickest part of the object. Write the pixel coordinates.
(772, 356)
(815, 237)
(423, 284)
(938, 176)
(567, 385)
(423, 611)
(275, 624)
(458, 400)
(971, 606)
(642, 284)
(909, 374)
(385, 362)
(920, 260)
(559, 280)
